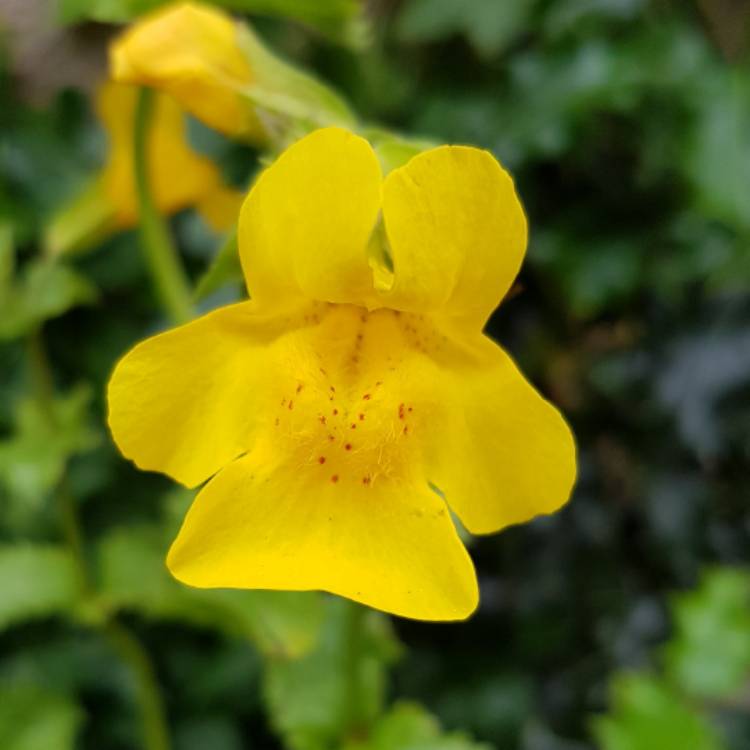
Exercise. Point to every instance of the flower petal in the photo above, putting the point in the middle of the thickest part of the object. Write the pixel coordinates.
(456, 231)
(503, 454)
(184, 402)
(305, 226)
(261, 524)
(191, 52)
(168, 150)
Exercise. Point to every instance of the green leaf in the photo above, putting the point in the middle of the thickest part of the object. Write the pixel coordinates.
(35, 719)
(408, 726)
(340, 20)
(32, 460)
(594, 273)
(717, 152)
(709, 656)
(38, 581)
(336, 688)
(490, 26)
(286, 96)
(647, 714)
(46, 290)
(224, 269)
(133, 575)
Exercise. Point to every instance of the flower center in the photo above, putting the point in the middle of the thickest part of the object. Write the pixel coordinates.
(348, 403)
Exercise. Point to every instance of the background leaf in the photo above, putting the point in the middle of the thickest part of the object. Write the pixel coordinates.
(709, 656)
(133, 576)
(339, 686)
(646, 713)
(34, 719)
(38, 581)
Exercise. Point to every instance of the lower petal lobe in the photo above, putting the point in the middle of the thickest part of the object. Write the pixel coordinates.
(503, 454)
(265, 524)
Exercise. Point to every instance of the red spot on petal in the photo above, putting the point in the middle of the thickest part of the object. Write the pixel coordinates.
(354, 426)
(290, 405)
(335, 478)
(322, 419)
(406, 429)
(335, 412)
(400, 411)
(299, 387)
(367, 397)
(361, 417)
(331, 438)
(366, 480)
(322, 460)
(348, 447)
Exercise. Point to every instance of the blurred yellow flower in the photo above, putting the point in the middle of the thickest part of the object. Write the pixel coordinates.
(179, 177)
(356, 380)
(222, 73)
(191, 52)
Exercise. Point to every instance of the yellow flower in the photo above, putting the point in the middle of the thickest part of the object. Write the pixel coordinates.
(356, 380)
(179, 177)
(221, 72)
(191, 52)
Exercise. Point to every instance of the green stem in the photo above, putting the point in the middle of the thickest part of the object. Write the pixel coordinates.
(355, 622)
(150, 704)
(160, 254)
(155, 732)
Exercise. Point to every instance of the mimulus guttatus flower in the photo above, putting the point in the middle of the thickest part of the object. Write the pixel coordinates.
(220, 71)
(327, 409)
(179, 176)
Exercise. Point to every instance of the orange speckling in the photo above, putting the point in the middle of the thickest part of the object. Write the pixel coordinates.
(335, 412)
(290, 405)
(366, 480)
(361, 417)
(354, 426)
(322, 419)
(348, 447)
(322, 460)
(367, 397)
(335, 478)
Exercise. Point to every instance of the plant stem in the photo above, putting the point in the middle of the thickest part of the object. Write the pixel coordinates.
(167, 273)
(354, 625)
(155, 732)
(150, 704)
